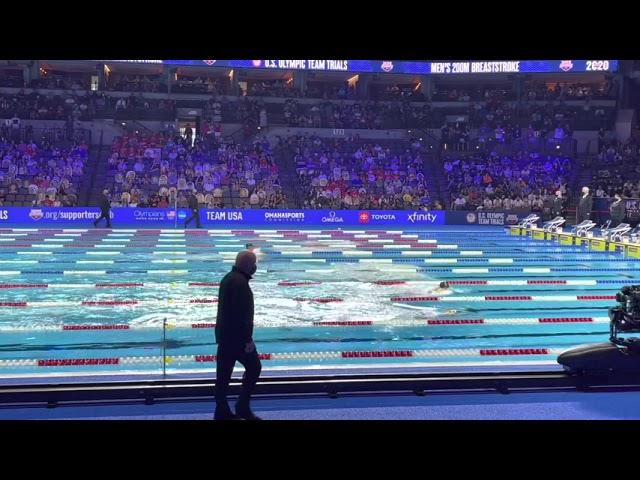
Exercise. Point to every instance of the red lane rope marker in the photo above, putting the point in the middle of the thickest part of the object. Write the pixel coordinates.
(508, 298)
(344, 323)
(205, 358)
(455, 322)
(78, 361)
(319, 300)
(203, 325)
(546, 282)
(13, 304)
(415, 299)
(204, 284)
(596, 297)
(390, 282)
(467, 282)
(204, 300)
(24, 285)
(383, 353)
(212, 358)
(109, 302)
(515, 351)
(114, 285)
(566, 320)
(96, 327)
(286, 283)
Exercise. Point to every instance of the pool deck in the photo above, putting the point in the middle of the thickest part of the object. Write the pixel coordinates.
(517, 406)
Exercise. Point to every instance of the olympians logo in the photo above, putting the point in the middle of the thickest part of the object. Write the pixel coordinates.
(36, 214)
(471, 218)
(209, 62)
(387, 66)
(332, 218)
(364, 217)
(566, 65)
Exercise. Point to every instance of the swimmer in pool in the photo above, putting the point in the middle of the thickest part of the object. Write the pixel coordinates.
(443, 289)
(252, 248)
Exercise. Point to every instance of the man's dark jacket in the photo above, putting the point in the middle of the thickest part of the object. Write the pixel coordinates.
(557, 207)
(234, 323)
(584, 206)
(618, 211)
(192, 201)
(104, 203)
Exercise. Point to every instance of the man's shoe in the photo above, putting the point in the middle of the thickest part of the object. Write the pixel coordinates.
(246, 414)
(226, 415)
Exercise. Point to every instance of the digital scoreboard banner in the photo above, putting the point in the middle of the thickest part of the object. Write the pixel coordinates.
(83, 217)
(453, 67)
(143, 217)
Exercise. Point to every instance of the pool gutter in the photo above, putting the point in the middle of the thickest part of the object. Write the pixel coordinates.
(151, 391)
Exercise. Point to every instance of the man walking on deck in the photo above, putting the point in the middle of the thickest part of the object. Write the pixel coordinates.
(195, 210)
(105, 209)
(234, 336)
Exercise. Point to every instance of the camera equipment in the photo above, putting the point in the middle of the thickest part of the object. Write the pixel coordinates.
(619, 355)
(625, 317)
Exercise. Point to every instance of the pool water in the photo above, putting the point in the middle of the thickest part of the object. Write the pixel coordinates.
(78, 301)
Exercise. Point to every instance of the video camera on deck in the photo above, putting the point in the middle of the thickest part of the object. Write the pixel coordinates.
(618, 355)
(625, 317)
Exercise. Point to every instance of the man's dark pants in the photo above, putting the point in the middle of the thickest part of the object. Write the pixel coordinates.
(195, 215)
(226, 359)
(104, 214)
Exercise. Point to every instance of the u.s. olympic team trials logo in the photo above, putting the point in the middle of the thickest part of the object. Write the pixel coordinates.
(471, 217)
(209, 62)
(257, 63)
(364, 217)
(566, 65)
(387, 66)
(36, 214)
